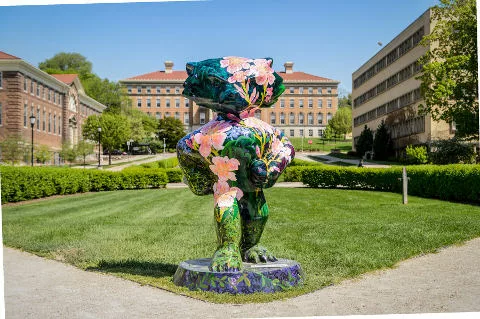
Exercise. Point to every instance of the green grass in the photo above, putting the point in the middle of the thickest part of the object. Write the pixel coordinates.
(142, 235)
(319, 144)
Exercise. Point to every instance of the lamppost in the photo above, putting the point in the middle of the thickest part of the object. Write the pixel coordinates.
(164, 145)
(32, 124)
(99, 139)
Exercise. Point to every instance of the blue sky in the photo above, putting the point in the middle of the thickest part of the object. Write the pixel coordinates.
(326, 38)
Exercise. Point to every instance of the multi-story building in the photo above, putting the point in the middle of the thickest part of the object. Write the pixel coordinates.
(307, 105)
(385, 88)
(58, 103)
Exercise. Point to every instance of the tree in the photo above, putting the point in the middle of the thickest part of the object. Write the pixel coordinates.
(143, 126)
(450, 67)
(172, 130)
(13, 149)
(382, 143)
(341, 122)
(115, 131)
(42, 154)
(345, 101)
(364, 142)
(84, 148)
(68, 152)
(67, 63)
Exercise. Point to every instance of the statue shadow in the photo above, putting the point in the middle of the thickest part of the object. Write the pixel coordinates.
(134, 267)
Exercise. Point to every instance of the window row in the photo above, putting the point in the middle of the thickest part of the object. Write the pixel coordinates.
(87, 111)
(47, 122)
(393, 80)
(148, 103)
(393, 105)
(42, 91)
(320, 132)
(176, 115)
(300, 103)
(391, 57)
(299, 119)
(310, 90)
(148, 89)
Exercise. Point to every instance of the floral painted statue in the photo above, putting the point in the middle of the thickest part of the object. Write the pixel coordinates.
(235, 155)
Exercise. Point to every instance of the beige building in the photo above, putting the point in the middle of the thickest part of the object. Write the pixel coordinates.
(307, 105)
(57, 101)
(385, 88)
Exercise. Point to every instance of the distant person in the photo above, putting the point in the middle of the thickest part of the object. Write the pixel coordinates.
(360, 163)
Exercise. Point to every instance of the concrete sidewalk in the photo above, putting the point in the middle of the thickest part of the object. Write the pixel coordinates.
(448, 281)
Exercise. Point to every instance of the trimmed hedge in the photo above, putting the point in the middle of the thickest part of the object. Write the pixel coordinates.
(459, 182)
(24, 183)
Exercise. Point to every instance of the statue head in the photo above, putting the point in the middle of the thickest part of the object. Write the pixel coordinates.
(233, 84)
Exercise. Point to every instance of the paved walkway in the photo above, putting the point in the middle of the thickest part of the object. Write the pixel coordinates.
(448, 281)
(330, 159)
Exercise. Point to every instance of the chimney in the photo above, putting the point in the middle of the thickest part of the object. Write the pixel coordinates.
(288, 67)
(168, 66)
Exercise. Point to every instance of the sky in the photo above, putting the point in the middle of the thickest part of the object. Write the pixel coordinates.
(331, 39)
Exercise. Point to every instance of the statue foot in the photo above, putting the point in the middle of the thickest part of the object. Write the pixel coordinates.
(257, 254)
(226, 259)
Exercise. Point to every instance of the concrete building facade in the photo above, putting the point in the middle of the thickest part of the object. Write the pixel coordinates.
(385, 88)
(307, 105)
(57, 101)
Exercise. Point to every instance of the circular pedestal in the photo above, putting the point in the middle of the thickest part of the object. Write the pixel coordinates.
(263, 277)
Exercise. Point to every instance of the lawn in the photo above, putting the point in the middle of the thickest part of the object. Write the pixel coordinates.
(319, 144)
(142, 235)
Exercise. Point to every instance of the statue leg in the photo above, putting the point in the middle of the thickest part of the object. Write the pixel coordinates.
(227, 217)
(254, 212)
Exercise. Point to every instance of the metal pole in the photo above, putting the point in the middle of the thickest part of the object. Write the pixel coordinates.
(32, 142)
(99, 139)
(405, 185)
(164, 145)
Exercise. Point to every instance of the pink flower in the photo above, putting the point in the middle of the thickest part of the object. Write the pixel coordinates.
(248, 112)
(262, 71)
(226, 199)
(222, 187)
(268, 94)
(277, 146)
(223, 167)
(234, 63)
(258, 124)
(212, 135)
(238, 76)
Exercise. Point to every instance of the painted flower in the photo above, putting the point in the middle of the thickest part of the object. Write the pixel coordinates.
(212, 135)
(223, 167)
(234, 63)
(277, 146)
(222, 187)
(227, 199)
(262, 71)
(238, 76)
(258, 124)
(268, 94)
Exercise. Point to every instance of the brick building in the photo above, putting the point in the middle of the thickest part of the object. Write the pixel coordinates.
(305, 108)
(57, 101)
(385, 88)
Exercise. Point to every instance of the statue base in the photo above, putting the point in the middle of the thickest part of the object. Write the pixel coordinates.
(262, 277)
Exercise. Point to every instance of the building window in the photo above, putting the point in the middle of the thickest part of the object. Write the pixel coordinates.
(38, 118)
(329, 116)
(310, 132)
(43, 122)
(282, 103)
(319, 90)
(43, 92)
(202, 117)
(310, 90)
(291, 118)
(167, 90)
(54, 97)
(31, 86)
(320, 133)
(149, 103)
(177, 102)
(129, 89)
(54, 123)
(157, 102)
(38, 89)
(186, 118)
(1, 79)
(25, 111)
(319, 118)
(1, 114)
(282, 118)
(49, 94)
(177, 115)
(310, 103)
(187, 103)
(310, 118)
(292, 133)
(258, 114)
(329, 103)
(300, 119)
(25, 84)
(148, 113)
(329, 90)
(301, 132)
(292, 103)
(59, 125)
(139, 89)
(300, 103)
(167, 114)
(292, 90)
(177, 90)
(300, 90)
(167, 102)
(139, 102)
(49, 122)
(149, 89)
(273, 118)
(158, 115)
(320, 103)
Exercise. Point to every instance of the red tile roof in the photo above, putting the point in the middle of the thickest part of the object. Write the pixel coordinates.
(302, 76)
(6, 56)
(161, 75)
(65, 78)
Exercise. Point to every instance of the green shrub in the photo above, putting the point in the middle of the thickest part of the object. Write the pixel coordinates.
(175, 175)
(451, 152)
(416, 154)
(168, 163)
(450, 182)
(24, 183)
(293, 173)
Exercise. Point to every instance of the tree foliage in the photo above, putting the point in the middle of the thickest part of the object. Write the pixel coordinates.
(115, 131)
(143, 127)
(172, 130)
(382, 143)
(341, 122)
(364, 142)
(68, 152)
(42, 154)
(450, 67)
(65, 63)
(345, 101)
(13, 149)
